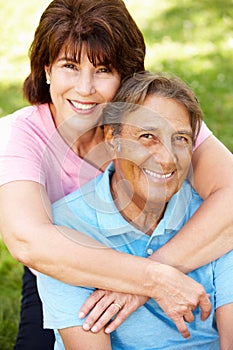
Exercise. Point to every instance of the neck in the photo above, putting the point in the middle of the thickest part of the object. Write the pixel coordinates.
(88, 144)
(135, 210)
(84, 138)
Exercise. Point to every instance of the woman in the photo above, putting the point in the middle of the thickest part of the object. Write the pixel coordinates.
(81, 52)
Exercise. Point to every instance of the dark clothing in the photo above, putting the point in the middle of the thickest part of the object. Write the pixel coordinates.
(31, 335)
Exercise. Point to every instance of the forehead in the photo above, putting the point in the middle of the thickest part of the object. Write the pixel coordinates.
(76, 52)
(159, 112)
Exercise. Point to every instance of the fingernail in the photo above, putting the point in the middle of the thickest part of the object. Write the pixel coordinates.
(107, 330)
(81, 314)
(86, 327)
(94, 329)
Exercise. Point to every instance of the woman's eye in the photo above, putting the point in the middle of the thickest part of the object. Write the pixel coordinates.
(103, 70)
(70, 66)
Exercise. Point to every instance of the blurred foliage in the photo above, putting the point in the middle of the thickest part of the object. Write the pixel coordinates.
(192, 39)
(10, 282)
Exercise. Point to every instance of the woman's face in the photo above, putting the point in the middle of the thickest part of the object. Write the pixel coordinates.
(77, 90)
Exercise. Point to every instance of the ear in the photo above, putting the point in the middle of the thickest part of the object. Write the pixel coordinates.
(47, 74)
(108, 137)
(108, 134)
(110, 140)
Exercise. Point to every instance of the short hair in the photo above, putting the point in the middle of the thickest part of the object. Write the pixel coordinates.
(105, 27)
(134, 91)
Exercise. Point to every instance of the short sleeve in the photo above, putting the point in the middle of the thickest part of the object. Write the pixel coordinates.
(204, 133)
(223, 279)
(20, 154)
(61, 302)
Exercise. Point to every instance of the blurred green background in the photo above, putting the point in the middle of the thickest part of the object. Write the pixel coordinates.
(192, 39)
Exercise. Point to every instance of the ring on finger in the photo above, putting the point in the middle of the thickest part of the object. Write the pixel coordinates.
(117, 305)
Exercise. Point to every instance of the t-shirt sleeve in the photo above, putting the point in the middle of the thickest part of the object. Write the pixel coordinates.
(204, 133)
(20, 153)
(223, 272)
(61, 302)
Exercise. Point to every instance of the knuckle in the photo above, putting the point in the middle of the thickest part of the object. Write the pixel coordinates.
(97, 294)
(102, 321)
(91, 319)
(105, 302)
(121, 317)
(124, 313)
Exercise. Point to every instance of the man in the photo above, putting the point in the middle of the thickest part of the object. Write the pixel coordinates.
(140, 202)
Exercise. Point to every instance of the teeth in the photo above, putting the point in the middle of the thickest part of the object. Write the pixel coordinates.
(156, 175)
(83, 106)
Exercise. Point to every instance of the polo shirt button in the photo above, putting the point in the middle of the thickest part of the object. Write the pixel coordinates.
(149, 251)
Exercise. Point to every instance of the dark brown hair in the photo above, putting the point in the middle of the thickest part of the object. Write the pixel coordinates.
(134, 91)
(105, 27)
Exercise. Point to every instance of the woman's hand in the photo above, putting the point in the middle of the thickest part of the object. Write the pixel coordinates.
(177, 294)
(103, 305)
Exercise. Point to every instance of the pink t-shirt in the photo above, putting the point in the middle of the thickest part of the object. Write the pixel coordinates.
(202, 136)
(32, 149)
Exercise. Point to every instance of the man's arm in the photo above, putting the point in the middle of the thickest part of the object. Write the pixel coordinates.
(75, 338)
(224, 319)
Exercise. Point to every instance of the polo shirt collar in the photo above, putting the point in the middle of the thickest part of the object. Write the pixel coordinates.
(112, 222)
(176, 212)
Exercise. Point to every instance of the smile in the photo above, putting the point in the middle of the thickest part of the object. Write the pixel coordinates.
(83, 106)
(157, 175)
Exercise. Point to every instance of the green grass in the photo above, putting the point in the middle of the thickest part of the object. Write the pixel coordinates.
(10, 282)
(193, 39)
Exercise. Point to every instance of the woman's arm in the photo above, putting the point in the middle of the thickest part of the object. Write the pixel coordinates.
(209, 233)
(31, 237)
(25, 223)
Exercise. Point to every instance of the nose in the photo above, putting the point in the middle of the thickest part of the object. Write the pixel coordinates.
(165, 155)
(85, 85)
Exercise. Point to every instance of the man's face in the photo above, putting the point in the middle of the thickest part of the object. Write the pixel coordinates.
(155, 150)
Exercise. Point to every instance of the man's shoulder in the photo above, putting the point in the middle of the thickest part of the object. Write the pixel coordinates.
(79, 210)
(187, 196)
(80, 195)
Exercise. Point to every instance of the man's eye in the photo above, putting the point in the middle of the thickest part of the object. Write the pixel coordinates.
(182, 139)
(147, 136)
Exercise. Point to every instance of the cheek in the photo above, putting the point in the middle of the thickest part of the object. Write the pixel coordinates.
(184, 166)
(108, 89)
(184, 157)
(58, 86)
(132, 172)
(133, 151)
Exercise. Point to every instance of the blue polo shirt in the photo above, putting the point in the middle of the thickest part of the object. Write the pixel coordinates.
(91, 210)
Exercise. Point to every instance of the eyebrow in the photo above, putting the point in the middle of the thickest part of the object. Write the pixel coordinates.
(181, 131)
(66, 59)
(147, 128)
(185, 132)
